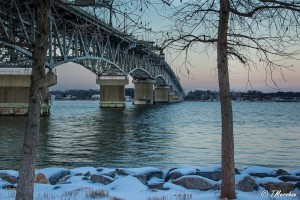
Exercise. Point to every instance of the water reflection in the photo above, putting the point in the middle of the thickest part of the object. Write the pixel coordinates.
(79, 133)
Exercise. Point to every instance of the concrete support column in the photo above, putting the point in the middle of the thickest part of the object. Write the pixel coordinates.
(173, 98)
(161, 94)
(14, 94)
(112, 91)
(143, 91)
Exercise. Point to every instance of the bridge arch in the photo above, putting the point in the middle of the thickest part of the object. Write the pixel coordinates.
(160, 80)
(139, 73)
(97, 65)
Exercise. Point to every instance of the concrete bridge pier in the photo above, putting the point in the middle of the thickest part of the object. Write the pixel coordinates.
(161, 94)
(112, 91)
(173, 98)
(14, 94)
(143, 91)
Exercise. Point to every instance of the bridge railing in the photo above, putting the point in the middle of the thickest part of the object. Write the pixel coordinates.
(23, 71)
(15, 72)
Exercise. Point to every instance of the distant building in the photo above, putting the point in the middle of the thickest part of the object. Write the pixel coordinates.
(70, 97)
(96, 97)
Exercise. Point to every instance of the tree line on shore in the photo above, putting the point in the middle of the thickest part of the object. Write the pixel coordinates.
(207, 95)
(196, 95)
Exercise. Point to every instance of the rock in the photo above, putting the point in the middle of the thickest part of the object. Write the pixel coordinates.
(122, 172)
(56, 187)
(111, 174)
(216, 176)
(54, 179)
(193, 182)
(289, 178)
(237, 171)
(64, 179)
(282, 187)
(141, 178)
(247, 185)
(9, 178)
(281, 172)
(85, 178)
(101, 179)
(99, 170)
(151, 174)
(259, 171)
(41, 178)
(262, 175)
(297, 185)
(9, 187)
(173, 175)
(156, 186)
(88, 174)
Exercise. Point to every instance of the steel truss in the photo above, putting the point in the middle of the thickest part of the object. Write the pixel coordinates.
(76, 36)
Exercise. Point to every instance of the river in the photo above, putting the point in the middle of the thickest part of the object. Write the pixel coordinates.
(79, 133)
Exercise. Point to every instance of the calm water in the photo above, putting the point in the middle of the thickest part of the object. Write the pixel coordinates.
(79, 133)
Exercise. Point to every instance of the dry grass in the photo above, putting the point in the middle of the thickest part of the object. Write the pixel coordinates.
(157, 198)
(96, 193)
(115, 198)
(184, 196)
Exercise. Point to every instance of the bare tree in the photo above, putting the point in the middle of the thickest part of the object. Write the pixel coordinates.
(255, 33)
(25, 187)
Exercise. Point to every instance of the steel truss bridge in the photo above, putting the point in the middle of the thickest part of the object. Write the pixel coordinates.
(77, 36)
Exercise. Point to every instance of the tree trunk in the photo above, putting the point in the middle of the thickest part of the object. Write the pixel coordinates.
(228, 172)
(30, 143)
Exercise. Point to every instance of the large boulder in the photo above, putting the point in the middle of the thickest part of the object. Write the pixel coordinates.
(194, 182)
(247, 184)
(141, 178)
(55, 178)
(101, 179)
(9, 178)
(123, 172)
(148, 172)
(156, 186)
(154, 173)
(282, 187)
(173, 175)
(216, 175)
(289, 178)
(258, 171)
(41, 178)
(281, 172)
(297, 185)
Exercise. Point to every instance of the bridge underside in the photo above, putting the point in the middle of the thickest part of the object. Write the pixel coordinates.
(77, 36)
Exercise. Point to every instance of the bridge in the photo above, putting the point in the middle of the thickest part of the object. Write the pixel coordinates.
(80, 37)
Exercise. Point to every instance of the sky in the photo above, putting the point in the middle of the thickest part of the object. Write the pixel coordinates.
(202, 76)
(202, 71)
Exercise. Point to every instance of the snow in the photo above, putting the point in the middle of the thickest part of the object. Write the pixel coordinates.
(49, 172)
(258, 169)
(267, 180)
(129, 187)
(294, 172)
(10, 172)
(142, 170)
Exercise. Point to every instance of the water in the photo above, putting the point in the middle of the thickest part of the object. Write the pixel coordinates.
(79, 133)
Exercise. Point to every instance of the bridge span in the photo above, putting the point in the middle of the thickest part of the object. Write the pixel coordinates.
(79, 37)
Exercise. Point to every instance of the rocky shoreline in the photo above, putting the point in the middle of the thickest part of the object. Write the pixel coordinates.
(251, 179)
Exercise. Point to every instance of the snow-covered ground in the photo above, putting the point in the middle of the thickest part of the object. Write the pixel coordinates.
(135, 183)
